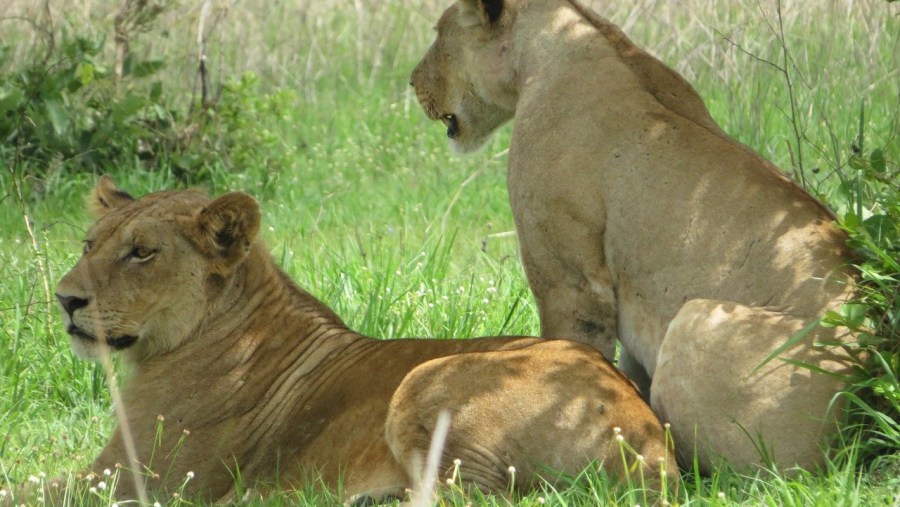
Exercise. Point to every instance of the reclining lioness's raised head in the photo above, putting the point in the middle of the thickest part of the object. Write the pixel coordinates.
(640, 220)
(125, 298)
(271, 385)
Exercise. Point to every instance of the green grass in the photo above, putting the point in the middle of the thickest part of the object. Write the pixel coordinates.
(365, 207)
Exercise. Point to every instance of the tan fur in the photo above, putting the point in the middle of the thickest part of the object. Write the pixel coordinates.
(640, 220)
(269, 382)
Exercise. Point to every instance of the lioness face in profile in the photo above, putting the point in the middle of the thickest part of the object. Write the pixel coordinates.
(465, 78)
(118, 295)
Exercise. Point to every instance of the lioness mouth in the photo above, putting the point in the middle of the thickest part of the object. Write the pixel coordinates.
(452, 125)
(117, 342)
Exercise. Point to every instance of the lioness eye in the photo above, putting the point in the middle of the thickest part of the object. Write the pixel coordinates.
(86, 247)
(141, 254)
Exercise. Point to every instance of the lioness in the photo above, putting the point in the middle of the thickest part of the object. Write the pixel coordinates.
(273, 386)
(640, 220)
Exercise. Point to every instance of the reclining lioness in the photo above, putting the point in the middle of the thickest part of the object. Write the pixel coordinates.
(640, 220)
(273, 386)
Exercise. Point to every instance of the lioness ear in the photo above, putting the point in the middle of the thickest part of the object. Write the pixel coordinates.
(227, 227)
(106, 197)
(488, 10)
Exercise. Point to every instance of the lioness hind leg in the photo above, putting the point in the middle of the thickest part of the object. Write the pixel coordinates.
(706, 387)
(635, 371)
(548, 408)
(581, 310)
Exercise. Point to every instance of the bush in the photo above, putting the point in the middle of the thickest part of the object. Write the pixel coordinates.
(66, 107)
(868, 202)
(240, 132)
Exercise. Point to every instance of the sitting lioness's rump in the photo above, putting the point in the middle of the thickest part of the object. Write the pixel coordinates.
(272, 385)
(640, 220)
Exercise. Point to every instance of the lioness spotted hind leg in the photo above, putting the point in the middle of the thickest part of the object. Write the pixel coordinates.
(707, 385)
(549, 408)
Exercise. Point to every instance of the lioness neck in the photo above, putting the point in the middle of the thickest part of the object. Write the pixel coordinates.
(255, 308)
(260, 293)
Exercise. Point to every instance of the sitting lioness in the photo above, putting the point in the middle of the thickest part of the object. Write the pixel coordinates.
(640, 220)
(273, 387)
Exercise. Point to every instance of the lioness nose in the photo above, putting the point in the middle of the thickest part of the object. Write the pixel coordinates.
(71, 303)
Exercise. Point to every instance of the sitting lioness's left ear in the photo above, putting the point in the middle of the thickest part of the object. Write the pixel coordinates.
(227, 227)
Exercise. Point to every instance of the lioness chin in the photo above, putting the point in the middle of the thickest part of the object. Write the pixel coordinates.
(273, 387)
(640, 220)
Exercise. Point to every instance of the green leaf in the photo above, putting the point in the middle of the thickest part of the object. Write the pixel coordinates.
(876, 160)
(850, 221)
(161, 113)
(58, 116)
(85, 73)
(146, 68)
(128, 106)
(832, 319)
(155, 91)
(853, 314)
(10, 99)
(883, 229)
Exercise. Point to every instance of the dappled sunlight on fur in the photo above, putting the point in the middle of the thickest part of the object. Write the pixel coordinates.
(639, 220)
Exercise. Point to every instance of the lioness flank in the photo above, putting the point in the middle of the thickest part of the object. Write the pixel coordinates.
(271, 384)
(640, 220)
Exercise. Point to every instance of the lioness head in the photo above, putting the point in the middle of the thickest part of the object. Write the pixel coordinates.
(150, 267)
(466, 78)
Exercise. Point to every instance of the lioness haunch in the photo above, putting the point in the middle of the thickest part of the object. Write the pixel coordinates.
(640, 220)
(269, 381)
